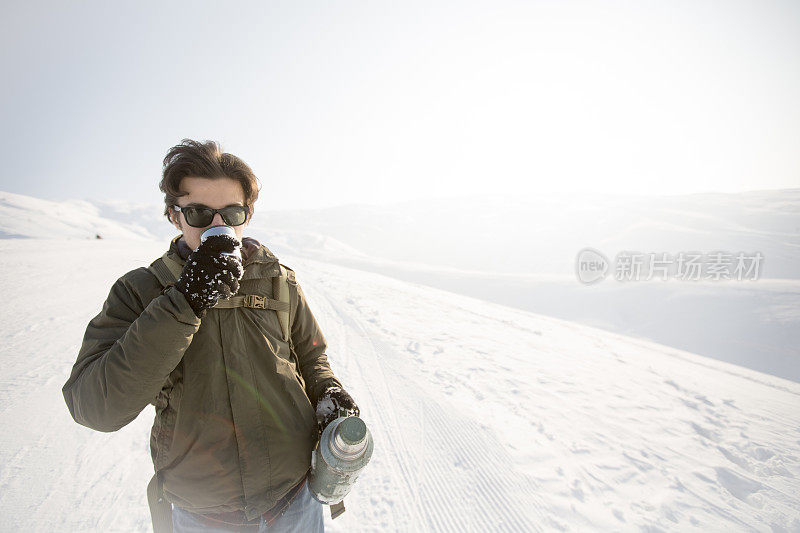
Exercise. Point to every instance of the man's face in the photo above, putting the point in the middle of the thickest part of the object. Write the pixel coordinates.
(213, 193)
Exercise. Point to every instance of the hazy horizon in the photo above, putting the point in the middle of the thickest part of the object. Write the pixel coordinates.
(371, 103)
(159, 197)
(521, 252)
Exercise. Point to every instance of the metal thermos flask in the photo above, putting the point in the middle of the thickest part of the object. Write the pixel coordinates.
(220, 229)
(345, 448)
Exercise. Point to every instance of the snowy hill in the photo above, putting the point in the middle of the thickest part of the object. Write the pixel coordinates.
(517, 235)
(542, 233)
(27, 217)
(520, 252)
(485, 418)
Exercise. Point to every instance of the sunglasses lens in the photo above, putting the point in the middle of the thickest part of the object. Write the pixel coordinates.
(198, 217)
(234, 215)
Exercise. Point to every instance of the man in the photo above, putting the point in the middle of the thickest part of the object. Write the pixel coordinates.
(239, 406)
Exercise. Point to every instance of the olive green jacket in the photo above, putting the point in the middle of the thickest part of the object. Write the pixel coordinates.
(235, 423)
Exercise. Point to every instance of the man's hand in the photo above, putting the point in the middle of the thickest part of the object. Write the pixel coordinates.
(209, 275)
(329, 403)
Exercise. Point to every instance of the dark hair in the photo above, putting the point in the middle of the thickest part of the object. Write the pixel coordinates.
(204, 160)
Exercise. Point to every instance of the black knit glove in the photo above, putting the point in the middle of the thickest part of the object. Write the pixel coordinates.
(208, 275)
(330, 401)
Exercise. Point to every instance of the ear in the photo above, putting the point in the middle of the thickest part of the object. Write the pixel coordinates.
(175, 219)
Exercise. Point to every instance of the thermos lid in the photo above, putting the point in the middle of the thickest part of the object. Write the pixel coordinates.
(348, 440)
(352, 430)
(219, 229)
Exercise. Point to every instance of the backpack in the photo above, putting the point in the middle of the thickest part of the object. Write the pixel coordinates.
(167, 271)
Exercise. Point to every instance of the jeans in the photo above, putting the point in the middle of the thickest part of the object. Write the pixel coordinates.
(304, 515)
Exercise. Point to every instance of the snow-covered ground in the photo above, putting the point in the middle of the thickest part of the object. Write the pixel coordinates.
(520, 252)
(485, 417)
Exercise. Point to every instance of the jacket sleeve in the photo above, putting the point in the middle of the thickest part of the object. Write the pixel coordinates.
(127, 353)
(309, 345)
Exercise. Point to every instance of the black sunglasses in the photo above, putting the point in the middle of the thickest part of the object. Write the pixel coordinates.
(200, 217)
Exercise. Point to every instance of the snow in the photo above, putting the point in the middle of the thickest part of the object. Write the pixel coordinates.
(520, 251)
(25, 217)
(484, 417)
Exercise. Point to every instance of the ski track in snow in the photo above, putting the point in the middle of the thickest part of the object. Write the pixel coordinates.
(605, 432)
(485, 418)
(436, 451)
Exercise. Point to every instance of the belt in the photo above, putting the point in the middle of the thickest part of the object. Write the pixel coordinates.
(238, 519)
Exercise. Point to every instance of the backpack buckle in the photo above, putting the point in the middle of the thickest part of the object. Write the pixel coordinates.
(253, 300)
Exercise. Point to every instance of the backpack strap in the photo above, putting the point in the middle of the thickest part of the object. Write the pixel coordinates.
(167, 271)
(253, 300)
(160, 507)
(280, 289)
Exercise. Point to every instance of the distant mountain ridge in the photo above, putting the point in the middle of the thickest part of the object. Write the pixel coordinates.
(520, 252)
(25, 217)
(492, 233)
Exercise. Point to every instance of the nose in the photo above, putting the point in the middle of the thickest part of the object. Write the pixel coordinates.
(217, 220)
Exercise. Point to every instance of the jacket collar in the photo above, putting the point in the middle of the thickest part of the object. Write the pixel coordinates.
(252, 251)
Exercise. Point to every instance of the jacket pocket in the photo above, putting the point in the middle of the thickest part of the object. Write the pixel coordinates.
(164, 425)
(298, 371)
(266, 320)
(297, 393)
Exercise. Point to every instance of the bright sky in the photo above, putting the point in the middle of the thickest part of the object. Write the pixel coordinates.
(336, 102)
